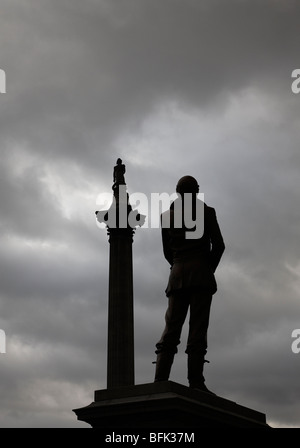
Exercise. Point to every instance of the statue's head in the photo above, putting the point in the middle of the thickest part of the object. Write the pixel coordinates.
(187, 184)
(119, 162)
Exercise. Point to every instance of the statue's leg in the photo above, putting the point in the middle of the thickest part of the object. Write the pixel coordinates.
(170, 339)
(197, 338)
(164, 363)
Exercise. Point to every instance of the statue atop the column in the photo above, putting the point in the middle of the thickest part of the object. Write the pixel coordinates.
(118, 175)
(120, 215)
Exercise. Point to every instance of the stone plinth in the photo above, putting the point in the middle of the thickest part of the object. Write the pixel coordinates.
(166, 405)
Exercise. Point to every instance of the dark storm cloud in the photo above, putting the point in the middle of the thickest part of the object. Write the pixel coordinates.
(106, 65)
(173, 87)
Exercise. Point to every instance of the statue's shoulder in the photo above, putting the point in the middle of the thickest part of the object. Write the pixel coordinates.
(209, 212)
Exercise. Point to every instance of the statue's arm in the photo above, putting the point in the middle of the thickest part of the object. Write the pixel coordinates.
(217, 242)
(168, 253)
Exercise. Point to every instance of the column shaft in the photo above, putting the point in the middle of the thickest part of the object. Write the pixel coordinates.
(120, 353)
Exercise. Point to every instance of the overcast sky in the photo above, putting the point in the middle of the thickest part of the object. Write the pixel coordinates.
(173, 87)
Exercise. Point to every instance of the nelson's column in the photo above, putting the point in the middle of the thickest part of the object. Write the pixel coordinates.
(121, 221)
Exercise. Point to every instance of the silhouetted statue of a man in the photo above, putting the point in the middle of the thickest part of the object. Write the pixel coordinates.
(118, 175)
(191, 284)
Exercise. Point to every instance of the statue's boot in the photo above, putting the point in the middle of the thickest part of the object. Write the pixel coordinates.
(164, 363)
(195, 372)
